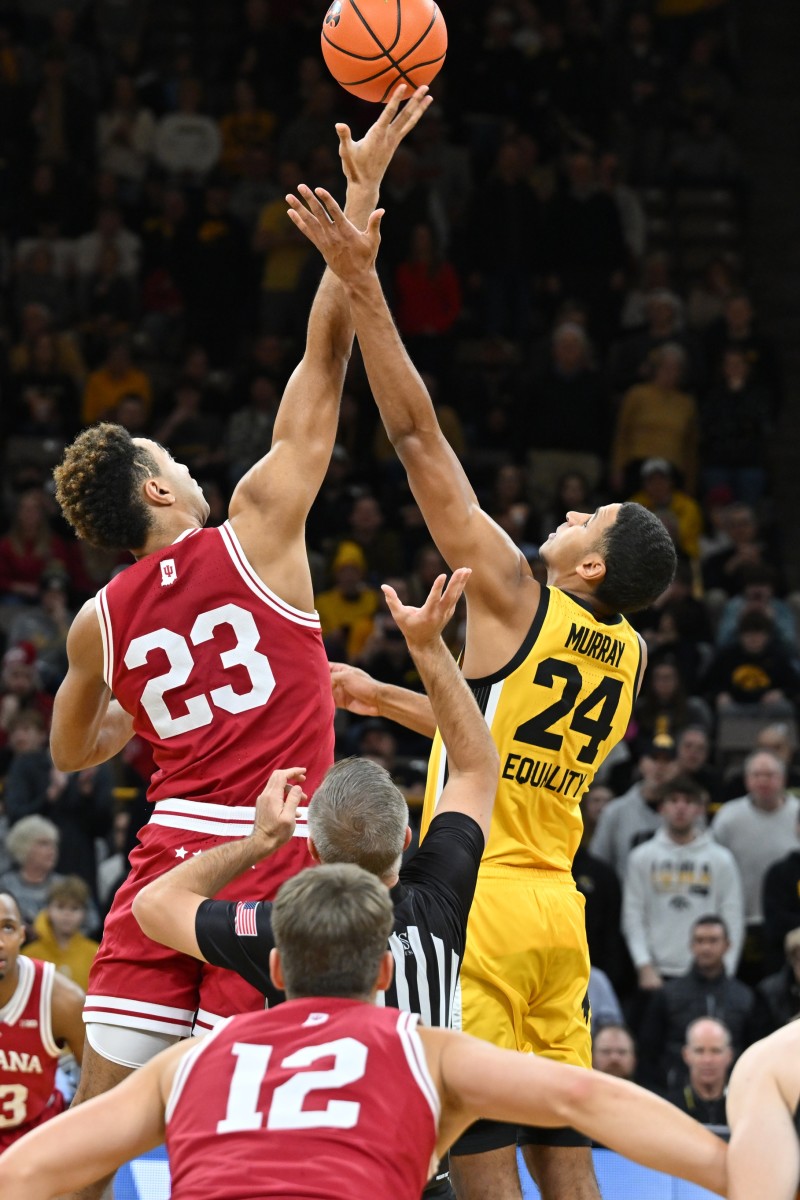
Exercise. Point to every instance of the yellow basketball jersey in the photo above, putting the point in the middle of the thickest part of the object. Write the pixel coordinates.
(555, 711)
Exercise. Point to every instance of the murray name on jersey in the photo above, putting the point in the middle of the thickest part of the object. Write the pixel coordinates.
(595, 644)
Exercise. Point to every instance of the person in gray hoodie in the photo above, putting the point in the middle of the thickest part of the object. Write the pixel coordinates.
(633, 817)
(673, 879)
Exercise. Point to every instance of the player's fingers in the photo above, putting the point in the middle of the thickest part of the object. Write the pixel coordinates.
(437, 590)
(458, 581)
(314, 203)
(392, 105)
(331, 207)
(292, 800)
(338, 668)
(417, 105)
(345, 138)
(374, 222)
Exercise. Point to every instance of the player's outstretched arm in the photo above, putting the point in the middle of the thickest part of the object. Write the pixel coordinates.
(89, 727)
(166, 908)
(92, 1140)
(472, 758)
(357, 692)
(479, 1080)
(281, 488)
(458, 525)
(762, 1095)
(67, 1014)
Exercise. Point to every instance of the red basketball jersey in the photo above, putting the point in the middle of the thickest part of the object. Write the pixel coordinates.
(225, 680)
(313, 1099)
(28, 1053)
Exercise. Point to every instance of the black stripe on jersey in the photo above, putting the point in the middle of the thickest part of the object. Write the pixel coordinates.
(481, 692)
(637, 678)
(528, 643)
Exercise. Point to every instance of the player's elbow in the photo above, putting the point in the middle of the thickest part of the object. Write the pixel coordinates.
(145, 909)
(66, 757)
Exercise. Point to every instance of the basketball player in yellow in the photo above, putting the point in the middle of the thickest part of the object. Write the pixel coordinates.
(555, 669)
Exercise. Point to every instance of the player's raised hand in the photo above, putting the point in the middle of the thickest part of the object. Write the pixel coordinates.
(276, 807)
(365, 161)
(421, 626)
(349, 253)
(354, 690)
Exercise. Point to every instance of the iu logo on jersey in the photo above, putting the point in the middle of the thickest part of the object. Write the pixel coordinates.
(168, 572)
(334, 14)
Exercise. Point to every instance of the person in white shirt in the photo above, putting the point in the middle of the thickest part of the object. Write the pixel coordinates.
(673, 879)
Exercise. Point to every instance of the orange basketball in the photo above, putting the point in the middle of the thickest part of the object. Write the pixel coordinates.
(372, 45)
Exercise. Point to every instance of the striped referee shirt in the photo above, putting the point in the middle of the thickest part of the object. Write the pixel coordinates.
(431, 902)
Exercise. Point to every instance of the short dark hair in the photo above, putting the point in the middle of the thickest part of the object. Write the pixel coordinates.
(682, 785)
(331, 925)
(97, 486)
(640, 560)
(711, 919)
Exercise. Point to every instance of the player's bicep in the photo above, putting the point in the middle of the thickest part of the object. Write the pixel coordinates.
(83, 697)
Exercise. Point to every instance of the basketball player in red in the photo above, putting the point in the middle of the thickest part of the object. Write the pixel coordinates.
(297, 1101)
(38, 1009)
(208, 648)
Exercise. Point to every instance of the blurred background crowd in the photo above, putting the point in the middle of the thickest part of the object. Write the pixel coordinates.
(567, 249)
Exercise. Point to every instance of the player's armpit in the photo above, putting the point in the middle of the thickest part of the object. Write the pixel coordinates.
(67, 1014)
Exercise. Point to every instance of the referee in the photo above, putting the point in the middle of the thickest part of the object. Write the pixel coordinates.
(358, 815)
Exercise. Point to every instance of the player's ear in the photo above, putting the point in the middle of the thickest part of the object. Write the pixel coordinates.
(592, 568)
(407, 838)
(312, 850)
(158, 493)
(385, 973)
(276, 969)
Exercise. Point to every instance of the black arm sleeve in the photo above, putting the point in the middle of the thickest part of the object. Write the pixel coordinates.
(446, 864)
(245, 953)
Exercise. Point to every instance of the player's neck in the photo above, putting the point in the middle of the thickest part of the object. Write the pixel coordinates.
(9, 985)
(576, 586)
(166, 531)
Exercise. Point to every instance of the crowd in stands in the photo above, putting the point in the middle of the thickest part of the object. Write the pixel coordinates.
(563, 249)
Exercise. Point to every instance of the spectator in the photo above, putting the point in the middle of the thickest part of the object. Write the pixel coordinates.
(379, 545)
(187, 142)
(663, 705)
(349, 601)
(705, 154)
(248, 432)
(192, 436)
(708, 1056)
(779, 739)
(753, 673)
(706, 990)
(428, 300)
(758, 828)
(727, 568)
(693, 754)
(614, 1051)
(33, 845)
(21, 688)
(596, 797)
(781, 904)
(709, 294)
(248, 127)
(681, 515)
(284, 251)
(633, 818)
(57, 928)
(28, 549)
(125, 136)
(779, 994)
(739, 330)
(757, 595)
(568, 409)
(736, 430)
(116, 378)
(109, 231)
(656, 419)
(603, 1001)
(673, 879)
(598, 884)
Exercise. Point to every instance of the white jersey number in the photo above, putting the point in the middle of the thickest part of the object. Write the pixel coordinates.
(179, 656)
(286, 1107)
(13, 1104)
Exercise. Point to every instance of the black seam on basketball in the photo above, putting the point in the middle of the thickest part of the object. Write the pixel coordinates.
(387, 50)
(403, 72)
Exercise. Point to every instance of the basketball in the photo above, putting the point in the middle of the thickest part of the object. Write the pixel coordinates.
(372, 45)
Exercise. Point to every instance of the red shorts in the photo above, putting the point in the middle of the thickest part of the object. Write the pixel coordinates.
(140, 984)
(55, 1105)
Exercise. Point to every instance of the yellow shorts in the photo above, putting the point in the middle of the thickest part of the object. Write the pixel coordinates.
(525, 978)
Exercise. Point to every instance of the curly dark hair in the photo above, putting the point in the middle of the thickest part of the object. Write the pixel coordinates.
(97, 486)
(640, 560)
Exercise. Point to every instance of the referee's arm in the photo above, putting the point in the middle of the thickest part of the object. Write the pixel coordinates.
(472, 758)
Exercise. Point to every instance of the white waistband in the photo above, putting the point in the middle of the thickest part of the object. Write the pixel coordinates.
(216, 819)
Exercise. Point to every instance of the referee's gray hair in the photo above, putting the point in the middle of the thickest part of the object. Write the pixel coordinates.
(331, 924)
(358, 815)
(31, 829)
